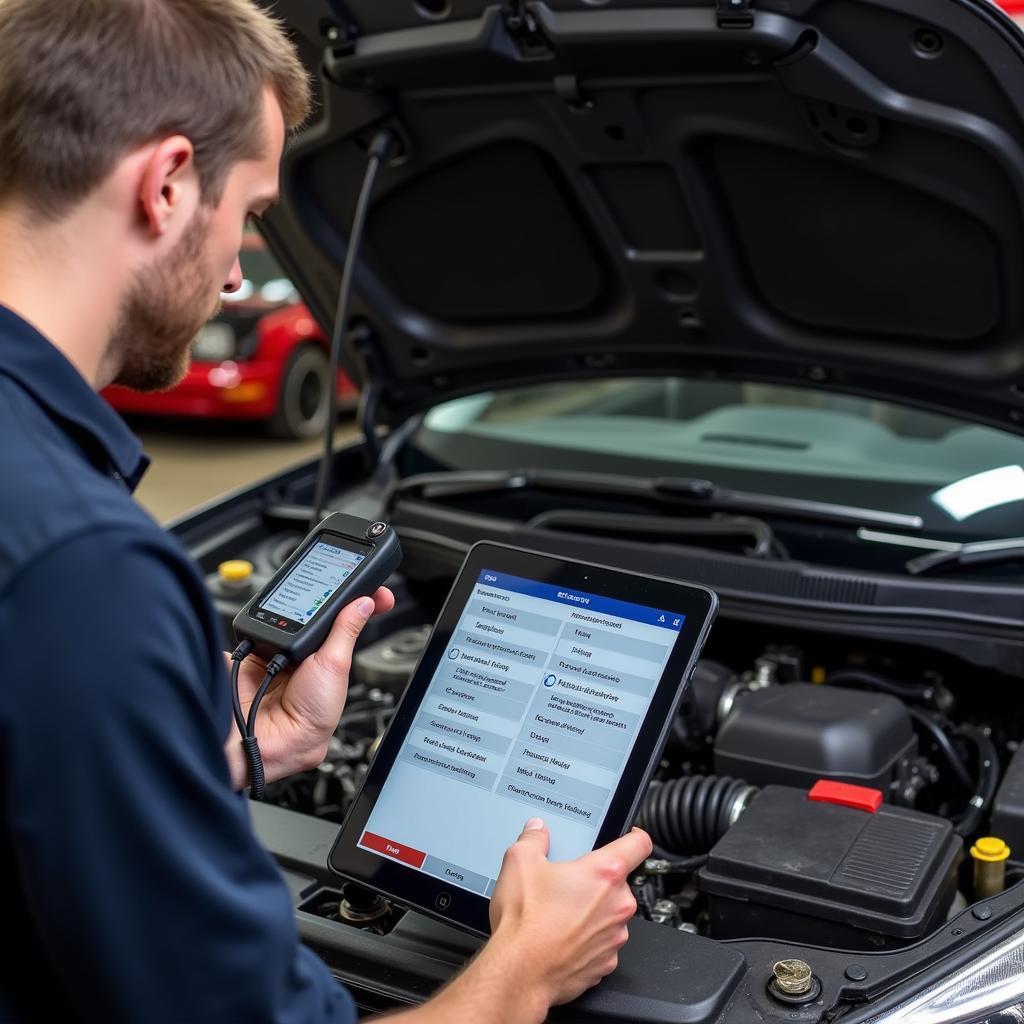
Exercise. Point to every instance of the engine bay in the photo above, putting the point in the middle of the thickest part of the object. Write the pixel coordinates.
(746, 749)
(767, 716)
(746, 856)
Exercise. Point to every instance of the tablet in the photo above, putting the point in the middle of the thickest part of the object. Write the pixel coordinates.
(547, 689)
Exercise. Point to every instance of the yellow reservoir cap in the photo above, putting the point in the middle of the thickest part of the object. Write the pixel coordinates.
(990, 850)
(236, 571)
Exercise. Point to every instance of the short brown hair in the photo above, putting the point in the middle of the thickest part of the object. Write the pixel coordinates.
(84, 82)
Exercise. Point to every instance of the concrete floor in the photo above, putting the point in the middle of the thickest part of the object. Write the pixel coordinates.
(196, 462)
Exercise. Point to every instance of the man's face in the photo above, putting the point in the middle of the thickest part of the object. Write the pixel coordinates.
(167, 303)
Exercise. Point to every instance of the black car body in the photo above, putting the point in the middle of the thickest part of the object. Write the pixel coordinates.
(722, 290)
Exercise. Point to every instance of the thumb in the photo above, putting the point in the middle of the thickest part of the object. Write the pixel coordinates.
(336, 653)
(535, 833)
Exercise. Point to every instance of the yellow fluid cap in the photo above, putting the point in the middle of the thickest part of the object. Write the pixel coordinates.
(236, 571)
(990, 849)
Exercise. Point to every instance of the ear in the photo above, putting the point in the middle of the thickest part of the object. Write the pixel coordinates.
(169, 189)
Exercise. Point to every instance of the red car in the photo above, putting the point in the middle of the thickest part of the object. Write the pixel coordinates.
(263, 358)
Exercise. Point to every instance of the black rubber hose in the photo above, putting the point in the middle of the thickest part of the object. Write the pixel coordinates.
(967, 823)
(942, 741)
(690, 815)
(926, 693)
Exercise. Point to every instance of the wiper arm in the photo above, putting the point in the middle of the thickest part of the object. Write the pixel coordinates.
(664, 490)
(790, 508)
(967, 556)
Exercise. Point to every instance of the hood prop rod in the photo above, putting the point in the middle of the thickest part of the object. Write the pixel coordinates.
(381, 146)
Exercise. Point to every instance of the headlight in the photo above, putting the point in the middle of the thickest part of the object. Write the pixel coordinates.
(214, 343)
(989, 986)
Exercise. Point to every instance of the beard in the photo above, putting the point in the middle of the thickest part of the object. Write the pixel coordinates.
(161, 314)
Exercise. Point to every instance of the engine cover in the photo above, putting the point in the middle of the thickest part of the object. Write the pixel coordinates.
(796, 734)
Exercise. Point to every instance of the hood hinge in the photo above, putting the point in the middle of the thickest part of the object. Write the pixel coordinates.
(524, 29)
(341, 33)
(734, 13)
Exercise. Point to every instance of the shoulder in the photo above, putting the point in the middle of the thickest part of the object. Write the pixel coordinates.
(111, 601)
(50, 493)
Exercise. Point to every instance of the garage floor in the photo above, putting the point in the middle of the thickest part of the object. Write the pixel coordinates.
(194, 463)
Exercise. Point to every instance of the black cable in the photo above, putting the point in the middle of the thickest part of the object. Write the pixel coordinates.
(859, 679)
(240, 653)
(254, 762)
(276, 663)
(967, 823)
(942, 741)
(246, 727)
(378, 151)
(677, 865)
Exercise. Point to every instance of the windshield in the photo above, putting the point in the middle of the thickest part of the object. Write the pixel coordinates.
(964, 481)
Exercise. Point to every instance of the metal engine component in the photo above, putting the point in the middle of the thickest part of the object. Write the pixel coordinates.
(364, 909)
(793, 976)
(388, 664)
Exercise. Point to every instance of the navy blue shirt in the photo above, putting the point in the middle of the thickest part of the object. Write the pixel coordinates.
(132, 887)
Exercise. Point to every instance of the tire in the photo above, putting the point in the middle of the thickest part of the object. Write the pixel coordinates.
(303, 402)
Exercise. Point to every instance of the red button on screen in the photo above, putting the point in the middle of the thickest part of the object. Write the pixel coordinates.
(406, 854)
(842, 793)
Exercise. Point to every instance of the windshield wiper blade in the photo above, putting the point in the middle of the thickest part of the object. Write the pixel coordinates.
(665, 490)
(968, 556)
(792, 508)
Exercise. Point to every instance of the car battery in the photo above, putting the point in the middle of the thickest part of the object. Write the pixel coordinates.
(812, 870)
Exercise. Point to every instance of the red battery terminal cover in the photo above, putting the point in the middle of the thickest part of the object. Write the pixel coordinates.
(859, 797)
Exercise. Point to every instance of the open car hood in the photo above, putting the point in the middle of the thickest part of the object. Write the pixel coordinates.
(826, 191)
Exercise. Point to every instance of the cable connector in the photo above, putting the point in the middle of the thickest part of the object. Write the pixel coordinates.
(247, 727)
(276, 663)
(242, 651)
(384, 145)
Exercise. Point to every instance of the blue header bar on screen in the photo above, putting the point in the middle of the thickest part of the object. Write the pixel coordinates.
(583, 601)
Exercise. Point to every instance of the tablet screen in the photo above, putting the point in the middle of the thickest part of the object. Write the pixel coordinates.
(532, 711)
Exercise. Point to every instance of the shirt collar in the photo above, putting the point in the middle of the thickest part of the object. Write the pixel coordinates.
(43, 370)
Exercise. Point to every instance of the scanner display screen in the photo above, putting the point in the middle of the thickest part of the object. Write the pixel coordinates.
(329, 561)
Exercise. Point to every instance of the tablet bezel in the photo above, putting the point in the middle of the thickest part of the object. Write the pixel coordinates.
(417, 890)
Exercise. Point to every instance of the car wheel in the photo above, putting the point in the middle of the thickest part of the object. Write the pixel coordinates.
(302, 405)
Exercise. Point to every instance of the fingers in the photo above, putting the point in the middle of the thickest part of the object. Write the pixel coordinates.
(383, 601)
(336, 652)
(535, 835)
(626, 854)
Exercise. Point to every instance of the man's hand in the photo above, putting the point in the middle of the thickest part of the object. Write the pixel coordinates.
(563, 924)
(301, 708)
(556, 931)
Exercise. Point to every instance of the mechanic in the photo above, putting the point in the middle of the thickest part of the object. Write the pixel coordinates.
(136, 137)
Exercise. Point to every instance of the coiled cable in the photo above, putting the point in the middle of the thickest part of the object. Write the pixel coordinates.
(247, 726)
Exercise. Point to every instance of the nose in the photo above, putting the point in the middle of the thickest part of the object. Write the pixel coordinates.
(234, 281)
